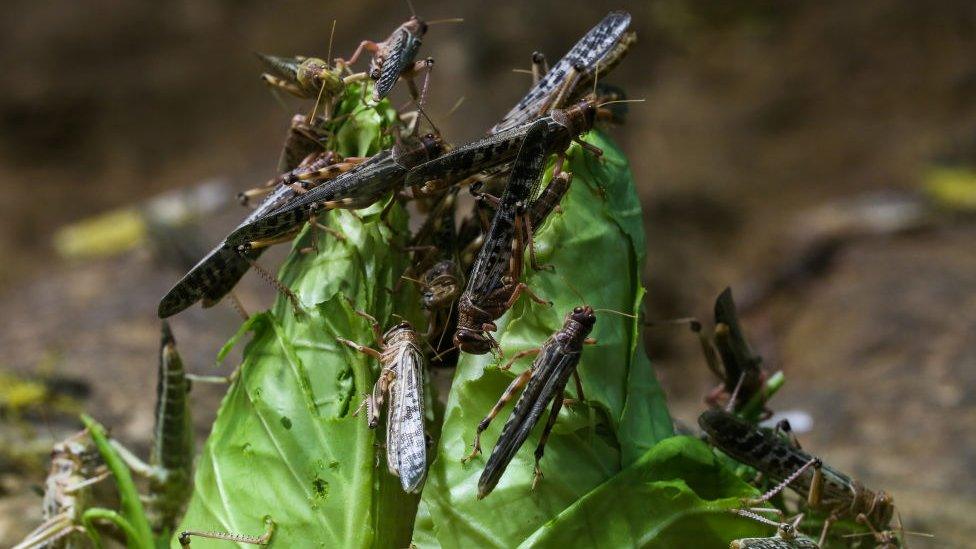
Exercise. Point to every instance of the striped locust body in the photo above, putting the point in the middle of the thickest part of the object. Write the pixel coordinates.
(360, 187)
(594, 55)
(824, 488)
(500, 149)
(545, 381)
(493, 284)
(170, 466)
(402, 380)
(394, 57)
(222, 268)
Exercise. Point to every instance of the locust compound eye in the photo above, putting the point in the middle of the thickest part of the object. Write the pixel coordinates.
(578, 310)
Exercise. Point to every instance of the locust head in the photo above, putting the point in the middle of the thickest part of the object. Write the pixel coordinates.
(581, 117)
(315, 77)
(584, 316)
(415, 26)
(441, 285)
(473, 341)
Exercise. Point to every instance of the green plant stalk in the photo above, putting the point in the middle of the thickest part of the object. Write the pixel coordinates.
(753, 409)
(138, 534)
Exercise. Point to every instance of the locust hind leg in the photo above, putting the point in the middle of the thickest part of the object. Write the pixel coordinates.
(520, 288)
(518, 355)
(426, 66)
(263, 539)
(751, 503)
(540, 450)
(281, 84)
(509, 393)
(365, 45)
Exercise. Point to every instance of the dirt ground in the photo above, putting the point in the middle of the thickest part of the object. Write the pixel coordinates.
(757, 114)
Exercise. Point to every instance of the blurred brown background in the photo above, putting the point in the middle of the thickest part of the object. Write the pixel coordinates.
(763, 120)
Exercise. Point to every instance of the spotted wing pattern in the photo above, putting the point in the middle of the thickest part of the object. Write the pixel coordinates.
(600, 41)
(406, 441)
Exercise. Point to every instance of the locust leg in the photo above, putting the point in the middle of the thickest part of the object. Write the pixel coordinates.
(132, 461)
(785, 430)
(273, 280)
(752, 503)
(263, 539)
(365, 45)
(425, 66)
(572, 77)
(529, 233)
(520, 288)
(332, 170)
(557, 404)
(513, 387)
(518, 355)
(313, 220)
(281, 84)
(245, 197)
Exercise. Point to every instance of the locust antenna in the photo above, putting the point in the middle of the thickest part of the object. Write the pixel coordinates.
(413, 12)
(448, 20)
(331, 37)
(450, 310)
(621, 101)
(457, 105)
(596, 79)
(448, 350)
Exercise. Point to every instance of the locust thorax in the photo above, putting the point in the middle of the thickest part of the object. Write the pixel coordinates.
(579, 118)
(879, 508)
(412, 153)
(470, 335)
(314, 74)
(400, 334)
(579, 323)
(441, 284)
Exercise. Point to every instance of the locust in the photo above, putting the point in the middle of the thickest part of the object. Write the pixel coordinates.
(170, 466)
(75, 467)
(596, 54)
(493, 284)
(823, 487)
(219, 271)
(544, 382)
(401, 378)
(498, 150)
(307, 78)
(787, 536)
(394, 58)
(357, 188)
(729, 355)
